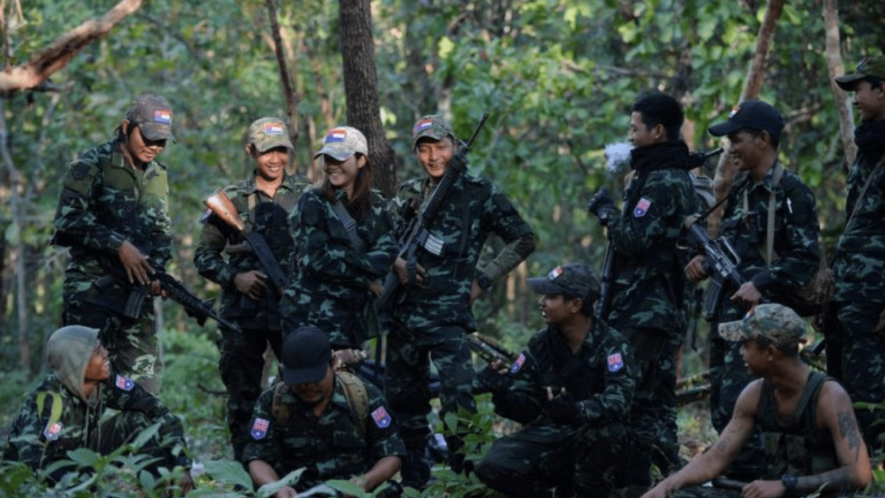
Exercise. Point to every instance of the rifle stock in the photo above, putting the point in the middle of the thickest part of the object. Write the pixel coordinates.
(490, 350)
(605, 293)
(220, 204)
(415, 235)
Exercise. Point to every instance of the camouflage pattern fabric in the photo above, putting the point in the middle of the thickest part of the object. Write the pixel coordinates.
(330, 287)
(430, 322)
(333, 446)
(586, 458)
(103, 203)
(242, 353)
(796, 244)
(647, 296)
(53, 421)
(858, 267)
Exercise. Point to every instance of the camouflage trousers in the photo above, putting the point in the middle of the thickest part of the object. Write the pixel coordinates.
(241, 367)
(409, 356)
(131, 343)
(863, 359)
(652, 416)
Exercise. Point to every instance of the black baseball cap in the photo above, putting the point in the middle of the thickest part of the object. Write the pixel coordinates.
(753, 114)
(870, 66)
(306, 356)
(573, 279)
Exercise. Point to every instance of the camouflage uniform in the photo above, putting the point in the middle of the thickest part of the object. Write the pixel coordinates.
(105, 202)
(56, 418)
(859, 298)
(242, 352)
(430, 322)
(547, 454)
(337, 445)
(648, 287)
(795, 244)
(330, 287)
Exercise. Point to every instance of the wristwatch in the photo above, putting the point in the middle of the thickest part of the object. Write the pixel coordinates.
(485, 283)
(790, 481)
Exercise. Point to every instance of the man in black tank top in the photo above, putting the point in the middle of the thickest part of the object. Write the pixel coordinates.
(812, 440)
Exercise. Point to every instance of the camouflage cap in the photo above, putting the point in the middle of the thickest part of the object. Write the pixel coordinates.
(870, 66)
(153, 115)
(268, 133)
(342, 142)
(432, 126)
(775, 323)
(572, 279)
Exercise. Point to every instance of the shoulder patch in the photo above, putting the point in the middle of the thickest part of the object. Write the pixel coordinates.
(615, 362)
(641, 207)
(53, 430)
(381, 417)
(259, 428)
(517, 364)
(123, 383)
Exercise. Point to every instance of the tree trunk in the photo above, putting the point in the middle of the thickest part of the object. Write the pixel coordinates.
(63, 49)
(725, 174)
(836, 68)
(285, 79)
(361, 88)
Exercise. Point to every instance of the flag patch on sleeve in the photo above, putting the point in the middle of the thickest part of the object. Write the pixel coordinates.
(641, 207)
(381, 418)
(124, 383)
(517, 365)
(259, 428)
(615, 362)
(52, 430)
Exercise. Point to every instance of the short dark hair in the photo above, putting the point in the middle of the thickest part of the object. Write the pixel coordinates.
(586, 304)
(874, 81)
(775, 141)
(661, 109)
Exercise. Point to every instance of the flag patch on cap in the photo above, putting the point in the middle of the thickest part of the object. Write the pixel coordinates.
(423, 125)
(124, 383)
(554, 273)
(273, 129)
(336, 135)
(517, 365)
(53, 430)
(641, 207)
(259, 428)
(615, 362)
(734, 110)
(381, 418)
(163, 116)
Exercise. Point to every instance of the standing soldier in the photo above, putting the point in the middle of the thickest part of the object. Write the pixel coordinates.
(647, 284)
(112, 214)
(572, 388)
(432, 319)
(753, 129)
(859, 300)
(250, 294)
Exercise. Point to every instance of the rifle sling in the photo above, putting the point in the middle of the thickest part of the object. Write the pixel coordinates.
(350, 225)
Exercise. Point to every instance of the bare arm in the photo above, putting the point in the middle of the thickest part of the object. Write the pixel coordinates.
(262, 473)
(716, 459)
(383, 470)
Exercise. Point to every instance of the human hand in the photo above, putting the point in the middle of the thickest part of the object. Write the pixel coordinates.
(252, 283)
(695, 270)
(400, 266)
(747, 294)
(602, 206)
(135, 263)
(563, 410)
(490, 380)
(764, 489)
(287, 492)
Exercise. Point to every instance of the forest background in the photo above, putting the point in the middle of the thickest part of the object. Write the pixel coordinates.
(557, 77)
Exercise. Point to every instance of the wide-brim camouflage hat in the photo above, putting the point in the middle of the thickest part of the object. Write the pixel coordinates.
(269, 133)
(153, 115)
(431, 126)
(572, 279)
(342, 142)
(870, 66)
(775, 323)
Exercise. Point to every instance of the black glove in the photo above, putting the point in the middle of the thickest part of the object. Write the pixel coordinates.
(602, 206)
(564, 410)
(489, 380)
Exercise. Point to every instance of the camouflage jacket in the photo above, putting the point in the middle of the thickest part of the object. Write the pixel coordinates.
(649, 281)
(330, 284)
(53, 421)
(796, 247)
(103, 203)
(601, 377)
(266, 216)
(860, 255)
(337, 445)
(473, 209)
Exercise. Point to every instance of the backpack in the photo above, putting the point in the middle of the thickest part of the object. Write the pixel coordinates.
(354, 391)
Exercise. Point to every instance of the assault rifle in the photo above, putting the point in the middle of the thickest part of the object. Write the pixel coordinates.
(721, 261)
(415, 235)
(220, 204)
(490, 350)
